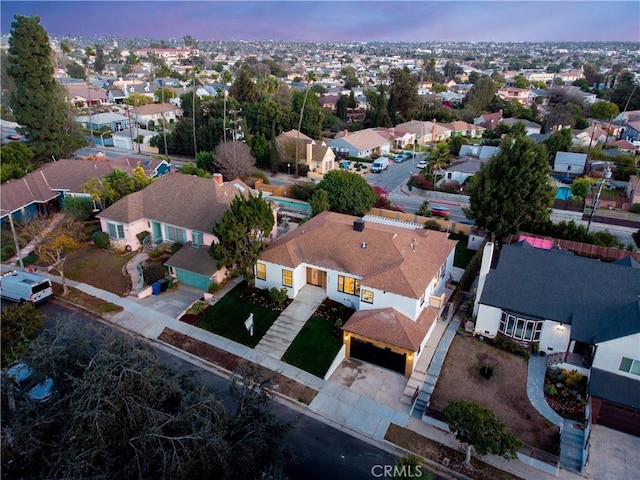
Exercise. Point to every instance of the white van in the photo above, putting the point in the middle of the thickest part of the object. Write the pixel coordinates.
(25, 287)
(380, 164)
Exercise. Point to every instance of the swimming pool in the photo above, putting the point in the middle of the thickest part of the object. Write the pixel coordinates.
(290, 205)
(563, 193)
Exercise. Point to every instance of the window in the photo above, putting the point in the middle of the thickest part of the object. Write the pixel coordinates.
(520, 328)
(349, 285)
(367, 296)
(197, 238)
(261, 271)
(287, 278)
(175, 234)
(630, 365)
(116, 231)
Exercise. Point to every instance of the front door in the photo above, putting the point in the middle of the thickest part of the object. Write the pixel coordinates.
(156, 232)
(316, 277)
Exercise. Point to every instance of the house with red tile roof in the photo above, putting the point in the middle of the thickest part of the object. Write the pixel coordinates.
(489, 120)
(393, 276)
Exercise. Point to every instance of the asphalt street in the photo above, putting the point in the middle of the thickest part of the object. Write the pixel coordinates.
(318, 451)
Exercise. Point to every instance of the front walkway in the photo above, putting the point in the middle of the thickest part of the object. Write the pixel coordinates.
(572, 438)
(276, 341)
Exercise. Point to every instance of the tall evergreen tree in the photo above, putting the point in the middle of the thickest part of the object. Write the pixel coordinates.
(512, 188)
(37, 101)
(241, 235)
(403, 95)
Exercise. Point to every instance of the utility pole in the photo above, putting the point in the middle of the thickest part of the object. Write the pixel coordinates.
(304, 101)
(224, 116)
(164, 130)
(237, 131)
(607, 175)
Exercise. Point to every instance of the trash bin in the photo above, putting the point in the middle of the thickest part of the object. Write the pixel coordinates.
(163, 284)
(169, 282)
(155, 288)
(410, 186)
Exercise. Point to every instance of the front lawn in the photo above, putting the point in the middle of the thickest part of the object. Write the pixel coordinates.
(100, 268)
(462, 255)
(227, 316)
(314, 348)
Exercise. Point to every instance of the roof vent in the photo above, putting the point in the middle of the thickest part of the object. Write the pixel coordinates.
(364, 245)
(358, 225)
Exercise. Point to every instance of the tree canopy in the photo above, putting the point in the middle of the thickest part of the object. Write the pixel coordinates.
(116, 411)
(16, 161)
(21, 323)
(479, 428)
(347, 192)
(38, 101)
(512, 188)
(241, 234)
(233, 159)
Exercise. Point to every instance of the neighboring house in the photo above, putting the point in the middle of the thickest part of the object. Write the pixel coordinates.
(329, 101)
(361, 144)
(593, 135)
(43, 190)
(128, 139)
(489, 120)
(531, 128)
(116, 95)
(482, 152)
(623, 146)
(394, 277)
(583, 313)
(461, 169)
(176, 208)
(83, 95)
(570, 163)
(521, 95)
(153, 167)
(460, 128)
(113, 121)
(316, 154)
(154, 112)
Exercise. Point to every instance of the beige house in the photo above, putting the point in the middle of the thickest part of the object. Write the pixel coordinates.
(316, 154)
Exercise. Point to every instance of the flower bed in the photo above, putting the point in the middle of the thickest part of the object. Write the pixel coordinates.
(566, 392)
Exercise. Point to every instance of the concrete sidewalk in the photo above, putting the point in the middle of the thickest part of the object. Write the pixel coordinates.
(334, 404)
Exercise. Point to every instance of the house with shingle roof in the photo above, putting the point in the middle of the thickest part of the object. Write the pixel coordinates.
(489, 120)
(43, 190)
(83, 95)
(361, 144)
(394, 277)
(570, 163)
(176, 208)
(316, 154)
(553, 298)
(460, 128)
(155, 112)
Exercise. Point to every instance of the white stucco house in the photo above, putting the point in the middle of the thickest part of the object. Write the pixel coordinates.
(583, 313)
(361, 144)
(570, 163)
(177, 208)
(392, 276)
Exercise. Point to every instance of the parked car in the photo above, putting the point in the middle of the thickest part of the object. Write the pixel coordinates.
(399, 158)
(14, 137)
(20, 373)
(422, 164)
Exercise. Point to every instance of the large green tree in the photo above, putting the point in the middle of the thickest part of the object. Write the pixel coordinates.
(480, 97)
(559, 141)
(21, 323)
(403, 95)
(479, 428)
(241, 233)
(347, 192)
(16, 161)
(38, 101)
(117, 411)
(512, 188)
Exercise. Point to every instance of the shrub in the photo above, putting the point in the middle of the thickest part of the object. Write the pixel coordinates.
(302, 191)
(262, 176)
(432, 225)
(79, 208)
(8, 251)
(550, 390)
(101, 240)
(198, 307)
(213, 287)
(278, 295)
(152, 272)
(507, 345)
(175, 246)
(451, 186)
(420, 181)
(142, 235)
(636, 208)
(157, 253)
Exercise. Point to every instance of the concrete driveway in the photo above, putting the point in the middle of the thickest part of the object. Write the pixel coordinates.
(612, 455)
(172, 302)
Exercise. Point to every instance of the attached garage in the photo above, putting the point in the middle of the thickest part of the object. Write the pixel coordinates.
(193, 266)
(615, 402)
(383, 357)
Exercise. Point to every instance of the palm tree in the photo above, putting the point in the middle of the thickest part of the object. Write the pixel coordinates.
(439, 159)
(310, 77)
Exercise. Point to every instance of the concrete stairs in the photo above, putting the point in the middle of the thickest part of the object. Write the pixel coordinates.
(571, 446)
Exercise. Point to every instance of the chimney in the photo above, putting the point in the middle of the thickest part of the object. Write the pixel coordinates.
(345, 132)
(358, 225)
(217, 178)
(309, 152)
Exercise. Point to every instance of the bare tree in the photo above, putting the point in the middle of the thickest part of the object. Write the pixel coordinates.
(233, 159)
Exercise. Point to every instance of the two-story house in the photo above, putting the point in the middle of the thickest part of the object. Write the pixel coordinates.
(393, 277)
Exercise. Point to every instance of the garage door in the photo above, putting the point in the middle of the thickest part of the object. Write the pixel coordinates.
(193, 279)
(383, 357)
(621, 418)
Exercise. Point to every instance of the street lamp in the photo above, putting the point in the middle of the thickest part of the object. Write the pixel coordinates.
(594, 206)
(289, 168)
(15, 239)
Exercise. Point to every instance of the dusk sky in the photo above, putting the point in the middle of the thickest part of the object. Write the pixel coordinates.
(317, 21)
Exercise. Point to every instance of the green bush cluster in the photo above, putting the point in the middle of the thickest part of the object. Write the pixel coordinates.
(278, 295)
(157, 252)
(142, 235)
(198, 307)
(175, 246)
(213, 287)
(510, 346)
(152, 272)
(101, 239)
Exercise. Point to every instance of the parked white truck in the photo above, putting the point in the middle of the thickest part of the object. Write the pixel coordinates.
(380, 164)
(25, 287)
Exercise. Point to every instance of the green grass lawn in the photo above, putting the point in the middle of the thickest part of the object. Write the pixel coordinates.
(314, 348)
(100, 268)
(463, 255)
(227, 316)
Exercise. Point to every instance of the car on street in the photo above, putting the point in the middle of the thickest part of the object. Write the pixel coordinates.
(439, 211)
(14, 137)
(422, 164)
(399, 158)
